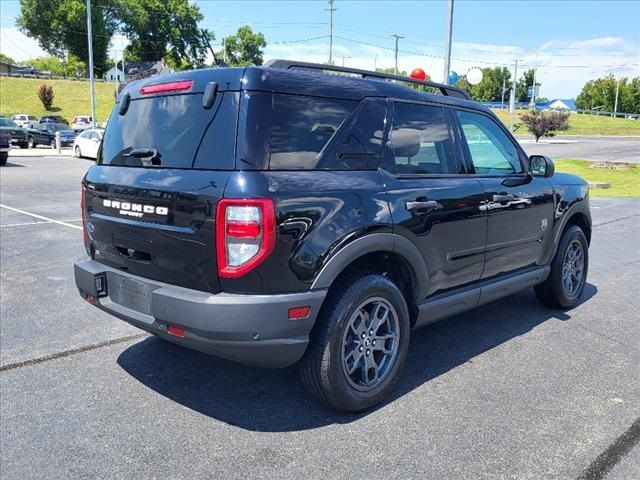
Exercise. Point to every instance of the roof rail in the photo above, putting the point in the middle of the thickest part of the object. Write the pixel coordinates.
(446, 90)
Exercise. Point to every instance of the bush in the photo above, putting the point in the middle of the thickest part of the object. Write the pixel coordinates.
(45, 94)
(545, 124)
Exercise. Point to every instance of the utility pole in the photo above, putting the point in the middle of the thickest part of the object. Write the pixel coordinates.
(512, 100)
(91, 82)
(504, 89)
(375, 63)
(447, 45)
(532, 103)
(343, 57)
(397, 37)
(615, 108)
(331, 10)
(224, 49)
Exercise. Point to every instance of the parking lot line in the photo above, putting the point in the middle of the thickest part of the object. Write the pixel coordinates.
(35, 215)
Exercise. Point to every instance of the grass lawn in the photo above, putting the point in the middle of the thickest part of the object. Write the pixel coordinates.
(20, 95)
(624, 182)
(580, 124)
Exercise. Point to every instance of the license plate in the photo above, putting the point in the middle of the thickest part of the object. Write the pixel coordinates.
(130, 293)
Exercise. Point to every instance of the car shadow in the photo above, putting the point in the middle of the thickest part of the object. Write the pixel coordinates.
(11, 164)
(268, 400)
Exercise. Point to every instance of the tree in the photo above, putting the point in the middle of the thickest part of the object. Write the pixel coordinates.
(522, 85)
(490, 88)
(50, 63)
(601, 94)
(45, 94)
(60, 26)
(545, 124)
(5, 58)
(244, 48)
(164, 29)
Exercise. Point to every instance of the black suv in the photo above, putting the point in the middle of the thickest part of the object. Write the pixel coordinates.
(281, 214)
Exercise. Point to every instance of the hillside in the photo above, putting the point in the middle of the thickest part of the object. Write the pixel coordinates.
(581, 124)
(20, 95)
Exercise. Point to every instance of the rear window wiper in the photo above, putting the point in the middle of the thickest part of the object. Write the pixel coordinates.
(151, 155)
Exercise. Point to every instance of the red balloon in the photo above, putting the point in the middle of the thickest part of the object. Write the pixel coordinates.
(418, 74)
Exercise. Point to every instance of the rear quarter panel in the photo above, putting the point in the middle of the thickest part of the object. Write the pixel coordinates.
(317, 213)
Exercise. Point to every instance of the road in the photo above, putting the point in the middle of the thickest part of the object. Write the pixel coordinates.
(509, 390)
(613, 149)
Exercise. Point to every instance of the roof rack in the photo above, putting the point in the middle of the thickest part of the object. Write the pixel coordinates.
(446, 90)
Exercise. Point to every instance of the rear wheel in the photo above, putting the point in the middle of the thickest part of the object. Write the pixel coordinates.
(358, 345)
(24, 145)
(565, 284)
(30, 142)
(3, 158)
(77, 152)
(53, 144)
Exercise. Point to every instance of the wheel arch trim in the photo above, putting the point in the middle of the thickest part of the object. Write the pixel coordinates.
(376, 242)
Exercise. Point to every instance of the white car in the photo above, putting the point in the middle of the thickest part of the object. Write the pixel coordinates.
(87, 143)
(26, 121)
(80, 122)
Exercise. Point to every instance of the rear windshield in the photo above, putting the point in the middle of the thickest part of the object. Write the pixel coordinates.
(179, 131)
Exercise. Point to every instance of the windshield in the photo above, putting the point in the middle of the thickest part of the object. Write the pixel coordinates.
(173, 131)
(5, 122)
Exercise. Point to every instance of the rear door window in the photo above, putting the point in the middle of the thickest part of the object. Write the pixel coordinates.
(182, 132)
(302, 129)
(421, 141)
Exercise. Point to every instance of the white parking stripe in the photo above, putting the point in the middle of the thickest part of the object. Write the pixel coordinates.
(34, 215)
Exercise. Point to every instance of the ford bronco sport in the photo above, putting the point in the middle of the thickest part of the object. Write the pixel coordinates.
(282, 214)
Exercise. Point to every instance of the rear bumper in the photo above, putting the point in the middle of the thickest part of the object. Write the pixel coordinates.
(249, 329)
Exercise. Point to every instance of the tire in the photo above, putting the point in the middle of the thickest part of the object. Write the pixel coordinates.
(31, 143)
(53, 144)
(77, 152)
(3, 159)
(24, 145)
(560, 290)
(324, 369)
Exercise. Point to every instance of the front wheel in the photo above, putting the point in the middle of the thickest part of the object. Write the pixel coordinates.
(358, 345)
(77, 152)
(3, 159)
(31, 143)
(53, 144)
(565, 283)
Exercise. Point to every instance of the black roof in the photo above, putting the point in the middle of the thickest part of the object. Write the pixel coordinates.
(308, 82)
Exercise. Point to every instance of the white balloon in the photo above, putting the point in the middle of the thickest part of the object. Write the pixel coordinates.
(474, 76)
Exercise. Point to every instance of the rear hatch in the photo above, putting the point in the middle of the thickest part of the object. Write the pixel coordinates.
(165, 158)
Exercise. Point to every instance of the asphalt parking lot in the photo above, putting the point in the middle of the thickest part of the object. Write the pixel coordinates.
(509, 390)
(597, 148)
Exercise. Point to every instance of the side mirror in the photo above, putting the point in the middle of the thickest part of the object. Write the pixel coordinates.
(541, 166)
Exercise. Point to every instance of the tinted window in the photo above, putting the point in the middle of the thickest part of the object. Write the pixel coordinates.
(491, 150)
(5, 122)
(303, 127)
(420, 140)
(178, 128)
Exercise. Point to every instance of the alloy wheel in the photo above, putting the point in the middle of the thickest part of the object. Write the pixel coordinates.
(370, 343)
(573, 269)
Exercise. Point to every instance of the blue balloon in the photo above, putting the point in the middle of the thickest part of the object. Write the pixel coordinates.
(453, 78)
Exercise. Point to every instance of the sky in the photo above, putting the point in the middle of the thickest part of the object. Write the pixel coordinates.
(569, 42)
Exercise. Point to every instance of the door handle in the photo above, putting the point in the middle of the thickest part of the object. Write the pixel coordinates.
(503, 198)
(426, 205)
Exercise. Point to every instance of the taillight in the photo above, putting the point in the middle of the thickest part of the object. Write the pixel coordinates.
(85, 236)
(245, 234)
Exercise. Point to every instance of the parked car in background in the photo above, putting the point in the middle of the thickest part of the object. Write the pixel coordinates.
(26, 121)
(46, 135)
(104, 124)
(81, 122)
(18, 134)
(53, 119)
(87, 143)
(5, 146)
